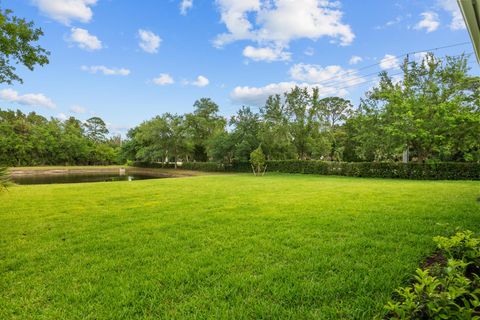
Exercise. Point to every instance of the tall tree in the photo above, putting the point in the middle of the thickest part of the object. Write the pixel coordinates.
(96, 129)
(274, 131)
(246, 127)
(17, 46)
(204, 123)
(177, 131)
(332, 113)
(301, 111)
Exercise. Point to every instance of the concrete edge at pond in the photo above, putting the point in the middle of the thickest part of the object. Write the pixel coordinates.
(54, 171)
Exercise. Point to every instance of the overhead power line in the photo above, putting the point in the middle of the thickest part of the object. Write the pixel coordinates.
(354, 71)
(339, 79)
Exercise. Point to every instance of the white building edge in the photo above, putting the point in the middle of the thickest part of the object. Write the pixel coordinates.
(471, 14)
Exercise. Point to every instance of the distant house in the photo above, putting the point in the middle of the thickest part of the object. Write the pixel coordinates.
(471, 14)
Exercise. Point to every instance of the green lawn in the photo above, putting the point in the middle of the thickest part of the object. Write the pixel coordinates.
(226, 246)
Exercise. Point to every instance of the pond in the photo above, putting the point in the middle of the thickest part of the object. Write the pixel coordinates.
(79, 178)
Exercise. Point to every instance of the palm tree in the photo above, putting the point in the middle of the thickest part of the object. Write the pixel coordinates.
(4, 178)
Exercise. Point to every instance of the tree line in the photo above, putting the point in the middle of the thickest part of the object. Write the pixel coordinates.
(31, 139)
(431, 114)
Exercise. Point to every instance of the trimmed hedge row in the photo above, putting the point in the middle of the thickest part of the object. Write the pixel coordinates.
(204, 166)
(414, 171)
(156, 165)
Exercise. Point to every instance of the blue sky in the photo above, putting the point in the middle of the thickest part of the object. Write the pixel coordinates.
(127, 61)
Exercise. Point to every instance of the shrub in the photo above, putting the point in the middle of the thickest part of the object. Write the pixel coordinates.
(446, 289)
(4, 178)
(257, 159)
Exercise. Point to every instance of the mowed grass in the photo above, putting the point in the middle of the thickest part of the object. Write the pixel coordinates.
(224, 247)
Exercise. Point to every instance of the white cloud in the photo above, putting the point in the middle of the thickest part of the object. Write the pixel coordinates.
(390, 23)
(277, 22)
(309, 51)
(29, 99)
(355, 60)
(106, 71)
(330, 76)
(266, 54)
(330, 80)
(117, 129)
(258, 95)
(429, 22)
(66, 11)
(163, 79)
(149, 41)
(185, 5)
(78, 109)
(85, 40)
(451, 7)
(389, 62)
(201, 81)
(61, 116)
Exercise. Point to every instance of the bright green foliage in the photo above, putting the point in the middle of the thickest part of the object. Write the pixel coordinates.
(30, 139)
(434, 113)
(257, 159)
(204, 124)
(161, 139)
(444, 290)
(462, 245)
(17, 45)
(244, 136)
(274, 132)
(333, 112)
(226, 246)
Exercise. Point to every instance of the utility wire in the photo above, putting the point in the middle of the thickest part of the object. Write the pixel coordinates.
(375, 74)
(391, 59)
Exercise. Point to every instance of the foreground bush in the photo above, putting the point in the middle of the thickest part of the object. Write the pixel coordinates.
(4, 178)
(448, 286)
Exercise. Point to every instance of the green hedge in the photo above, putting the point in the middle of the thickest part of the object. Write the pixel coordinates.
(199, 166)
(157, 165)
(204, 166)
(414, 171)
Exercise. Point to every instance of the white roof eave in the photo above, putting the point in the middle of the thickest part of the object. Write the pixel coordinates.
(471, 14)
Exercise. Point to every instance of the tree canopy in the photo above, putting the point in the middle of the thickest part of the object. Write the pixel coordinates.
(432, 114)
(31, 139)
(18, 39)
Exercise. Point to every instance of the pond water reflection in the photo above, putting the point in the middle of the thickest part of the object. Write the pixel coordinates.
(80, 178)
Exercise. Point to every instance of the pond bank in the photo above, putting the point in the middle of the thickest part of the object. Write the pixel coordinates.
(82, 170)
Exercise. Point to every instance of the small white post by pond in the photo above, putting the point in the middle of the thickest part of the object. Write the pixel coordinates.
(122, 171)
